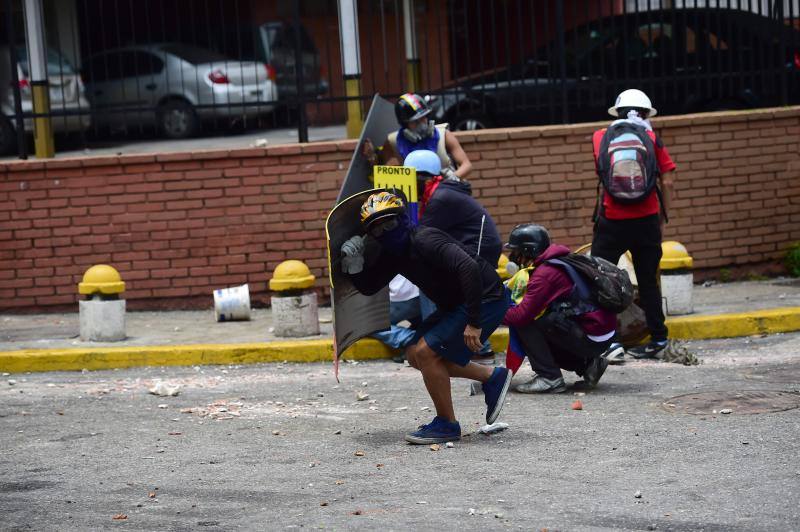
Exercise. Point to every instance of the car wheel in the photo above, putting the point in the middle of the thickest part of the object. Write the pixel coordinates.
(178, 119)
(470, 121)
(8, 137)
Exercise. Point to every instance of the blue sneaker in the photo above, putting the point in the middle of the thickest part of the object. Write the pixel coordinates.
(495, 390)
(437, 431)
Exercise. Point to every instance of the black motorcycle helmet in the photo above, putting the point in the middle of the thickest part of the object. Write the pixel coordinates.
(410, 107)
(529, 240)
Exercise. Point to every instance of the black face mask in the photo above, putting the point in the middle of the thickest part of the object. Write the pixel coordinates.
(395, 240)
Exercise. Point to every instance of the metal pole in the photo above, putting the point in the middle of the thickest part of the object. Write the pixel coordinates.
(562, 60)
(414, 78)
(302, 126)
(351, 64)
(37, 65)
(22, 147)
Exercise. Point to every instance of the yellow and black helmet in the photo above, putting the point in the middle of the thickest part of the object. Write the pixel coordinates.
(380, 205)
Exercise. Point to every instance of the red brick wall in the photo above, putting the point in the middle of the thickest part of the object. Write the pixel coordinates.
(179, 225)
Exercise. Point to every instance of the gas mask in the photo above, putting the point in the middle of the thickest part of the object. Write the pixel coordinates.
(422, 132)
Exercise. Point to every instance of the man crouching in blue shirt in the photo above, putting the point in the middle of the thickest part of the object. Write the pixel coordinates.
(468, 295)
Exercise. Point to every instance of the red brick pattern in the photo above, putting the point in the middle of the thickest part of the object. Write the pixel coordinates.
(178, 225)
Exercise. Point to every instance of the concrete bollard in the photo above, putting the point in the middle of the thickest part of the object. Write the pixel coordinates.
(677, 279)
(294, 306)
(102, 316)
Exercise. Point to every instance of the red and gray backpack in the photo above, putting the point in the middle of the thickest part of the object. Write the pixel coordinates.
(627, 164)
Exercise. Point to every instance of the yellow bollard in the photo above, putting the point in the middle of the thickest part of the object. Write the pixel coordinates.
(294, 306)
(102, 315)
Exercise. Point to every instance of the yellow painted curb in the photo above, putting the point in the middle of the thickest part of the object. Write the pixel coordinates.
(704, 327)
(96, 358)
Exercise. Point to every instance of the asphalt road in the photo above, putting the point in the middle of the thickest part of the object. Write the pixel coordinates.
(272, 447)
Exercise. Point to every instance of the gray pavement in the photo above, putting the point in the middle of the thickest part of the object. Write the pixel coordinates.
(236, 139)
(199, 327)
(267, 447)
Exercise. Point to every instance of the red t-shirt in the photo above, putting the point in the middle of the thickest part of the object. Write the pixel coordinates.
(614, 210)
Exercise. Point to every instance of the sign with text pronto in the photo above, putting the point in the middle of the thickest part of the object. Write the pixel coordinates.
(402, 179)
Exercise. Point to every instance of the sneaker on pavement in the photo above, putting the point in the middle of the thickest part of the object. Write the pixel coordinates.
(439, 430)
(495, 390)
(540, 384)
(597, 366)
(648, 351)
(615, 354)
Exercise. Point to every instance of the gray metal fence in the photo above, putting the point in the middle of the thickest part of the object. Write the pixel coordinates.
(179, 68)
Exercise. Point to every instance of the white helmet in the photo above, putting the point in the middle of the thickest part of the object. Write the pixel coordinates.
(632, 98)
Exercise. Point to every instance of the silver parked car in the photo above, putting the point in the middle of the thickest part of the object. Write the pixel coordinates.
(175, 87)
(67, 95)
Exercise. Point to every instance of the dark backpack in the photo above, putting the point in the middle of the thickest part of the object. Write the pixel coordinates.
(597, 281)
(626, 163)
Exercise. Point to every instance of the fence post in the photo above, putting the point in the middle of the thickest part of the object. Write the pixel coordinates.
(37, 54)
(413, 74)
(784, 52)
(22, 148)
(351, 64)
(562, 60)
(302, 126)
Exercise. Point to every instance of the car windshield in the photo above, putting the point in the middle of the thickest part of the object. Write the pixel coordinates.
(194, 55)
(56, 64)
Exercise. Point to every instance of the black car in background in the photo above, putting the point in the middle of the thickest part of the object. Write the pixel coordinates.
(686, 60)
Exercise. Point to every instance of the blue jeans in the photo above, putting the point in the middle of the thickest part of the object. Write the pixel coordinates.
(444, 331)
(428, 307)
(399, 337)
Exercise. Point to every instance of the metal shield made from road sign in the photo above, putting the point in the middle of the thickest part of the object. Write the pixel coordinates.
(379, 123)
(354, 314)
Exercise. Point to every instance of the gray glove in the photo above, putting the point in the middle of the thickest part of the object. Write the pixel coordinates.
(449, 174)
(353, 255)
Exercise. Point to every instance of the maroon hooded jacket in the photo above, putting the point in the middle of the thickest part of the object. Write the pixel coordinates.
(548, 283)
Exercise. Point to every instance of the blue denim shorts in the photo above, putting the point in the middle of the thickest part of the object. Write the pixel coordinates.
(444, 331)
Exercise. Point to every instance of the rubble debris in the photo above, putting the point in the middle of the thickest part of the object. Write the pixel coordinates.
(164, 389)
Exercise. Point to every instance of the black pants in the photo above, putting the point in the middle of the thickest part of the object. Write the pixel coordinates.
(642, 237)
(555, 342)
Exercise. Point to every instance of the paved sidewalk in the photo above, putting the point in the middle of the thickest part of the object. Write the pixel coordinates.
(47, 342)
(199, 327)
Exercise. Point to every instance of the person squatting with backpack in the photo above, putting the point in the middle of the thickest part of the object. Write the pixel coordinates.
(418, 132)
(559, 322)
(634, 168)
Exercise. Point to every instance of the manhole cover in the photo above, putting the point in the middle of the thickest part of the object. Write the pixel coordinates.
(782, 374)
(741, 402)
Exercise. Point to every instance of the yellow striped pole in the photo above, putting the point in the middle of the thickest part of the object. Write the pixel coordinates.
(37, 51)
(351, 65)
